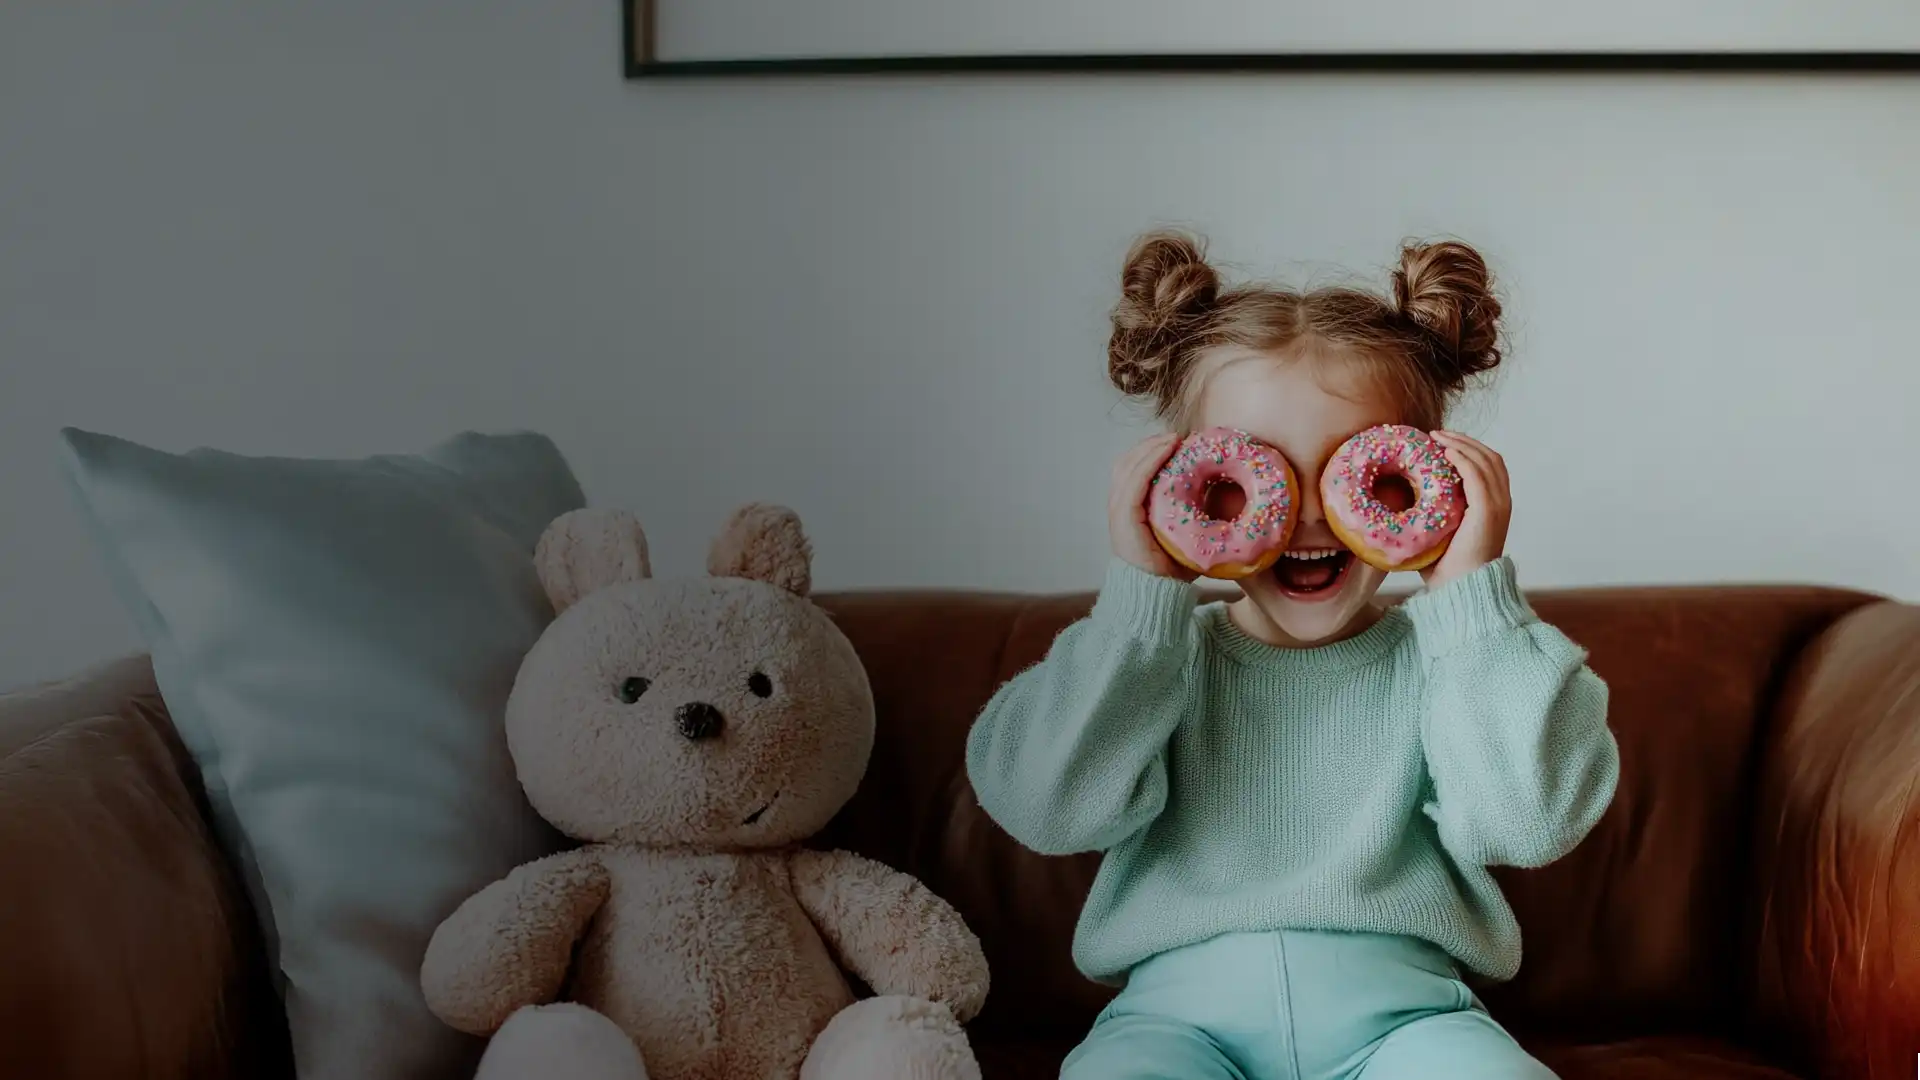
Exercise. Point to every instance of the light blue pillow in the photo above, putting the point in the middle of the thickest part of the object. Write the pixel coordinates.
(335, 641)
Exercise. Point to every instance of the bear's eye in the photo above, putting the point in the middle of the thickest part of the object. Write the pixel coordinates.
(632, 688)
(760, 685)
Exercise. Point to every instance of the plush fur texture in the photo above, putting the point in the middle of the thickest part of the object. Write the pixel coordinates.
(586, 549)
(561, 1041)
(692, 734)
(764, 543)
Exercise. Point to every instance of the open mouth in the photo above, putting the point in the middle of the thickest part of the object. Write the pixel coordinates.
(1312, 573)
(756, 815)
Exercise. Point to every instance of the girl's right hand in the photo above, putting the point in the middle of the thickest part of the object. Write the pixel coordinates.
(1133, 538)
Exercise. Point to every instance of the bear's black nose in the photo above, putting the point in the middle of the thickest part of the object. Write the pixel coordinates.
(698, 720)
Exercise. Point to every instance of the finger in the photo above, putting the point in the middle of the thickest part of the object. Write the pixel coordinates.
(1495, 465)
(1134, 473)
(1461, 449)
(1124, 465)
(1473, 474)
(1130, 487)
(1151, 458)
(1159, 448)
(1445, 435)
(1131, 462)
(1128, 464)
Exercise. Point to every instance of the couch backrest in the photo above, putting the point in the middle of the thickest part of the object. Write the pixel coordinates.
(1637, 930)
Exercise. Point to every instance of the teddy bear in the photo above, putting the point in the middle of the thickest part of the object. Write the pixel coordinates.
(690, 734)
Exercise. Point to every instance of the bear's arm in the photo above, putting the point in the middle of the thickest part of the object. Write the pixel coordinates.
(890, 930)
(510, 944)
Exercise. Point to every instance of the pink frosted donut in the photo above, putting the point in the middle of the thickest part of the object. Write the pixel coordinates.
(1383, 537)
(1178, 501)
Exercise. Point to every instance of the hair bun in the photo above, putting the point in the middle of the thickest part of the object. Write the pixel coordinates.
(1167, 292)
(1446, 290)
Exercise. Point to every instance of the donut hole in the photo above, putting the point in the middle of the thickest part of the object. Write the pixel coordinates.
(1394, 492)
(1223, 500)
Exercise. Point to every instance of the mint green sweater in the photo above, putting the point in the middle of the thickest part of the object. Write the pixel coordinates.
(1365, 785)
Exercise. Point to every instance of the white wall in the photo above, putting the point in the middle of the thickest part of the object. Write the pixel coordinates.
(359, 226)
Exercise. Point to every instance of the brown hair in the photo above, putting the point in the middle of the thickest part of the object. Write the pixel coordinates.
(1424, 345)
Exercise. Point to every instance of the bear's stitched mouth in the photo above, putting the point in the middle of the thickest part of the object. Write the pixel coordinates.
(755, 816)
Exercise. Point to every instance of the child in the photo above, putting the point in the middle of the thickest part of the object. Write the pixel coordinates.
(1298, 794)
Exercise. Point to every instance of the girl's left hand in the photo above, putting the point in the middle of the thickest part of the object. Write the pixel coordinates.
(1482, 537)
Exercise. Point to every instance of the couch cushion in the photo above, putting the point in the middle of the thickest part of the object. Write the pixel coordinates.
(30, 712)
(1675, 1057)
(1636, 931)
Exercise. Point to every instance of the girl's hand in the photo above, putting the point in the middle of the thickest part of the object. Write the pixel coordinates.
(1482, 537)
(1133, 538)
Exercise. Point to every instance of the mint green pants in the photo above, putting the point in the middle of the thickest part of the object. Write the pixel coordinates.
(1295, 1005)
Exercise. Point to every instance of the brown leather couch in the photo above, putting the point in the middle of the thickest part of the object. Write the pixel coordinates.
(1750, 908)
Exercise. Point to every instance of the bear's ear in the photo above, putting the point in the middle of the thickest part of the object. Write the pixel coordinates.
(764, 543)
(584, 550)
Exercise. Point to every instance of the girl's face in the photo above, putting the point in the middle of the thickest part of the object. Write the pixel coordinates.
(1305, 409)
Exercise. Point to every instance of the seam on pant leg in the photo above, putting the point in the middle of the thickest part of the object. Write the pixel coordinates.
(1461, 991)
(1283, 1009)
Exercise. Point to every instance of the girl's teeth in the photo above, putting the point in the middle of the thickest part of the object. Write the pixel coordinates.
(1313, 553)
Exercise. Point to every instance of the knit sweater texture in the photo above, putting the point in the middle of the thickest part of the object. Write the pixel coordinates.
(1367, 785)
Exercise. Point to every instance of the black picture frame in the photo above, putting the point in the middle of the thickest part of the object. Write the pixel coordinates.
(640, 61)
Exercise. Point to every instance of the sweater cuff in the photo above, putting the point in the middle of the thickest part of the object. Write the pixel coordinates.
(1484, 602)
(1146, 606)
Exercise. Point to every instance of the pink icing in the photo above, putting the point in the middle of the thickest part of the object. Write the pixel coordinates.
(1346, 491)
(1179, 491)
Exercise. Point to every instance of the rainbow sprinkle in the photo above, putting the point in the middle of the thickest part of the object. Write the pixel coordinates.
(1395, 450)
(1231, 456)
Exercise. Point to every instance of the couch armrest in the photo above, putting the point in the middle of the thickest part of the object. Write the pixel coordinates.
(126, 945)
(1837, 852)
(31, 712)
